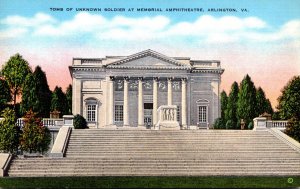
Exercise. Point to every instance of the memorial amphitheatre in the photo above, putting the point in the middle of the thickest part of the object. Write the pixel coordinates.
(150, 115)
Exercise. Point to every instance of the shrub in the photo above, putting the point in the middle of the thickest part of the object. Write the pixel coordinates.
(219, 124)
(9, 133)
(230, 124)
(293, 128)
(35, 136)
(80, 122)
(250, 125)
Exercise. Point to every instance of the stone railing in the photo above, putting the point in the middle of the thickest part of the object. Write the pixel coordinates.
(48, 122)
(261, 123)
(277, 124)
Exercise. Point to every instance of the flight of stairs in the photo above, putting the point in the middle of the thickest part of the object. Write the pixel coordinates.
(93, 152)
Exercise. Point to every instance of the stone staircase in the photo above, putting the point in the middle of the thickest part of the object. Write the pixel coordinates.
(94, 152)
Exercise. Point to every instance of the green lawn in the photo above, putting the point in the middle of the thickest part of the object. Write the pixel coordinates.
(151, 182)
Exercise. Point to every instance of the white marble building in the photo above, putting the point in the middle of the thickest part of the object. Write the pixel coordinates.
(126, 91)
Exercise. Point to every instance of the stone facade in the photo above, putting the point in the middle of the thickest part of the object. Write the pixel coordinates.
(126, 91)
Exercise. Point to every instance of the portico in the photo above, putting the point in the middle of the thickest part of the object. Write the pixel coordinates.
(153, 84)
(127, 91)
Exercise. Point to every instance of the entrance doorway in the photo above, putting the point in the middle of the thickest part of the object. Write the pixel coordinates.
(148, 109)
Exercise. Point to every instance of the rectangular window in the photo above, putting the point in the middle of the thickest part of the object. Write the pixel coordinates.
(91, 113)
(202, 114)
(119, 113)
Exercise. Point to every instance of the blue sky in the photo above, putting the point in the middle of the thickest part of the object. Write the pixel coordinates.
(274, 12)
(263, 42)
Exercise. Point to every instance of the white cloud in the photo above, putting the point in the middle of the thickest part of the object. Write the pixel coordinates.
(37, 20)
(206, 28)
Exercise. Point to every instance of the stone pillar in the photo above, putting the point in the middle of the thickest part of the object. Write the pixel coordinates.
(170, 100)
(183, 103)
(126, 111)
(77, 97)
(111, 101)
(155, 103)
(140, 104)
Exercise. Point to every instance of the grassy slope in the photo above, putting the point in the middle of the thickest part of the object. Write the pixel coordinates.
(150, 182)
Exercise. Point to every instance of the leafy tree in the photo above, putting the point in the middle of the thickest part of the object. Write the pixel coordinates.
(80, 122)
(231, 110)
(69, 99)
(246, 106)
(14, 72)
(263, 104)
(29, 96)
(219, 124)
(59, 101)
(224, 100)
(293, 128)
(269, 108)
(9, 133)
(289, 101)
(5, 96)
(289, 107)
(35, 136)
(43, 103)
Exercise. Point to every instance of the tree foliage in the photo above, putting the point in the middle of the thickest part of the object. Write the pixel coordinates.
(230, 124)
(224, 100)
(289, 107)
(36, 94)
(80, 122)
(14, 72)
(231, 110)
(35, 136)
(43, 104)
(262, 103)
(219, 124)
(69, 99)
(246, 106)
(9, 133)
(59, 101)
(29, 96)
(289, 101)
(293, 128)
(5, 95)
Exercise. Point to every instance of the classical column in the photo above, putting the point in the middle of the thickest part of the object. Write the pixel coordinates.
(155, 104)
(170, 91)
(140, 103)
(126, 112)
(183, 103)
(111, 101)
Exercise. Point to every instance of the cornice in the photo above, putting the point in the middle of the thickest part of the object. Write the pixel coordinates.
(148, 67)
(219, 71)
(90, 69)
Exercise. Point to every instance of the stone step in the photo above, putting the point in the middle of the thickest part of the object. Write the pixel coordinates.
(151, 165)
(94, 152)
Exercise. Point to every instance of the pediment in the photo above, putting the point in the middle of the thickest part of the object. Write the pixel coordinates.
(148, 60)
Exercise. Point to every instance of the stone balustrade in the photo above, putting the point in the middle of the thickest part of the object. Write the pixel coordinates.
(261, 123)
(281, 124)
(48, 122)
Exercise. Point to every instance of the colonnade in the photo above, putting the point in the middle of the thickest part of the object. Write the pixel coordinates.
(126, 108)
